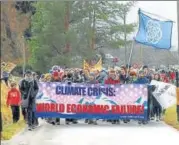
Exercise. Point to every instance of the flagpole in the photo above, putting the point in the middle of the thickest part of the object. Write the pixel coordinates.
(178, 23)
(132, 48)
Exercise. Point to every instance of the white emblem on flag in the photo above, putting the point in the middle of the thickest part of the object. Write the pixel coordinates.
(153, 32)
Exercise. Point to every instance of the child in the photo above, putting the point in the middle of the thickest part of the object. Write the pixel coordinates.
(14, 100)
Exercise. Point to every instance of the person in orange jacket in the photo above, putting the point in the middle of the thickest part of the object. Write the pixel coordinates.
(14, 100)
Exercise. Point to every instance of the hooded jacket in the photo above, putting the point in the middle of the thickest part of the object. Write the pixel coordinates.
(142, 80)
(28, 91)
(13, 97)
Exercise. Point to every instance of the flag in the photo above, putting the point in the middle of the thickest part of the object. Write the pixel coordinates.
(97, 66)
(153, 32)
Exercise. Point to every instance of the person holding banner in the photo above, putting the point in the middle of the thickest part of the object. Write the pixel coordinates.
(155, 107)
(113, 79)
(69, 80)
(142, 80)
(123, 75)
(146, 73)
(92, 80)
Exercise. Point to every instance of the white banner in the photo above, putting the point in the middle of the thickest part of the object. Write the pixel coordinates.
(164, 93)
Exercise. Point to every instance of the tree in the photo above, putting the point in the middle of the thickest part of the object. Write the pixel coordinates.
(68, 32)
(52, 31)
(119, 29)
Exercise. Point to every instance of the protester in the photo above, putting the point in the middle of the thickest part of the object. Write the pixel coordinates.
(5, 77)
(92, 80)
(35, 78)
(69, 81)
(164, 77)
(29, 89)
(147, 73)
(132, 77)
(141, 80)
(123, 75)
(111, 77)
(14, 100)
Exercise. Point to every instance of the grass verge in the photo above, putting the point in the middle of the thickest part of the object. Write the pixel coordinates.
(171, 117)
(10, 130)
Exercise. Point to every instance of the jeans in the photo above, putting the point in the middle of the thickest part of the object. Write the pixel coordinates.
(157, 111)
(30, 117)
(24, 113)
(15, 113)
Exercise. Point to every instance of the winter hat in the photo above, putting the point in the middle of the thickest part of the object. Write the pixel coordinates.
(28, 72)
(54, 68)
(133, 73)
(145, 66)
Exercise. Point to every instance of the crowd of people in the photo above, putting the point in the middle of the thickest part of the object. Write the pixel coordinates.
(112, 76)
(25, 96)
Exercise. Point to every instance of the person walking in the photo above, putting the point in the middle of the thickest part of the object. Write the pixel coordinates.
(5, 77)
(14, 100)
(142, 79)
(35, 119)
(29, 89)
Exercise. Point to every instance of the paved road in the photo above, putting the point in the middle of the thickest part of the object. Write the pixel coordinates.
(103, 134)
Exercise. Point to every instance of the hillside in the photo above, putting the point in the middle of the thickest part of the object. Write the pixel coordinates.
(148, 55)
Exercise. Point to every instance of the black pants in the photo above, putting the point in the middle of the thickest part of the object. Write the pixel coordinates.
(15, 113)
(157, 111)
(30, 117)
(35, 121)
(24, 113)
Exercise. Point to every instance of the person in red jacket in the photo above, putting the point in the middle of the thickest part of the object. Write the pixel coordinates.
(112, 79)
(14, 100)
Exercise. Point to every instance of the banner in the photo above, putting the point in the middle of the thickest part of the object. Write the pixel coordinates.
(92, 101)
(7, 66)
(164, 93)
(92, 68)
(153, 32)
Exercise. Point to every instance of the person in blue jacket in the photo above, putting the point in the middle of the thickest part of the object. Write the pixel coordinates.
(142, 80)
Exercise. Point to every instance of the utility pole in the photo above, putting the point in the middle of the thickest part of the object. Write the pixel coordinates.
(24, 55)
(67, 17)
(125, 37)
(141, 54)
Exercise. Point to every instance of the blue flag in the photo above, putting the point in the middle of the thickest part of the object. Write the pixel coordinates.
(153, 32)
